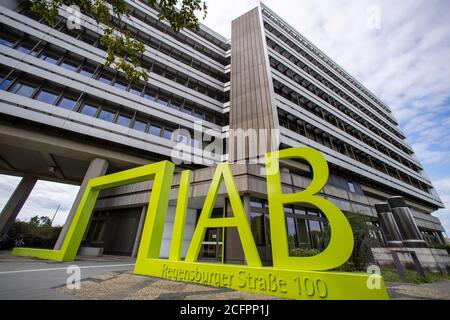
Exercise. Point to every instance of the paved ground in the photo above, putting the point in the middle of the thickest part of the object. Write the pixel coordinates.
(23, 278)
(111, 278)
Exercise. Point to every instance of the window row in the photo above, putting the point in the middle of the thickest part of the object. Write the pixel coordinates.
(93, 70)
(53, 54)
(179, 36)
(309, 131)
(323, 68)
(282, 68)
(289, 94)
(158, 25)
(328, 99)
(79, 102)
(305, 226)
(92, 38)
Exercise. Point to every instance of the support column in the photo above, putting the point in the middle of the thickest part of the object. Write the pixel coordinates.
(15, 204)
(137, 241)
(97, 168)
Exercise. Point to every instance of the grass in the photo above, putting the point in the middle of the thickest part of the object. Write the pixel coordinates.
(390, 274)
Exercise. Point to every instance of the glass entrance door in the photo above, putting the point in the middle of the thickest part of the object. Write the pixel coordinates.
(213, 242)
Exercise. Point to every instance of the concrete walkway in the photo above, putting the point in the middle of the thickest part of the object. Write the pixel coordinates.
(439, 290)
(32, 279)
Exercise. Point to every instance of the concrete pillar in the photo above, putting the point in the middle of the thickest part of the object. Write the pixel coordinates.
(97, 168)
(137, 241)
(15, 204)
(406, 224)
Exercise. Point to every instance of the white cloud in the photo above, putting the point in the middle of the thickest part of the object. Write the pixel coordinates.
(43, 200)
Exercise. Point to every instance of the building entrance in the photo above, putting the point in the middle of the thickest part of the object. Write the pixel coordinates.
(114, 231)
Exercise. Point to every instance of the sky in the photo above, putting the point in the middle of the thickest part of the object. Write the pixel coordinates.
(400, 50)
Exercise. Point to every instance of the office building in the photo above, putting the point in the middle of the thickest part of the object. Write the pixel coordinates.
(66, 117)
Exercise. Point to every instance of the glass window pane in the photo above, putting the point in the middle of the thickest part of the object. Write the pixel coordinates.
(49, 58)
(136, 91)
(288, 210)
(155, 130)
(23, 89)
(67, 103)
(105, 79)
(6, 42)
(256, 203)
(316, 234)
(140, 125)
(257, 226)
(267, 226)
(89, 110)
(47, 97)
(150, 96)
(4, 83)
(25, 48)
(300, 211)
(87, 72)
(175, 104)
(187, 110)
(72, 66)
(124, 120)
(107, 115)
(303, 234)
(351, 187)
(198, 114)
(209, 117)
(168, 133)
(163, 101)
(121, 85)
(292, 234)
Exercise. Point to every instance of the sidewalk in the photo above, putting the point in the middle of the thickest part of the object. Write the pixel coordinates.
(429, 291)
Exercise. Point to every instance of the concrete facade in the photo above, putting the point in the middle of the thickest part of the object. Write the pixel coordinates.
(67, 118)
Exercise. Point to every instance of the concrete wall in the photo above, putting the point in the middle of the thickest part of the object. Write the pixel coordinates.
(433, 260)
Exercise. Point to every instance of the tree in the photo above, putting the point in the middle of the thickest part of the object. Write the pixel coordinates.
(364, 240)
(37, 233)
(37, 221)
(123, 50)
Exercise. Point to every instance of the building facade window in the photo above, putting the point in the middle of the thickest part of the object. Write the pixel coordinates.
(124, 120)
(305, 227)
(47, 97)
(89, 110)
(155, 130)
(50, 58)
(22, 89)
(351, 187)
(67, 103)
(107, 115)
(140, 125)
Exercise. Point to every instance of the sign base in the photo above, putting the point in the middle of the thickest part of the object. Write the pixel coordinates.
(290, 284)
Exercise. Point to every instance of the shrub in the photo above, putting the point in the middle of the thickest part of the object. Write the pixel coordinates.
(37, 233)
(304, 252)
(363, 229)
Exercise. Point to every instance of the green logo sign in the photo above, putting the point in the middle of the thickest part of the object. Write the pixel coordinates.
(290, 277)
